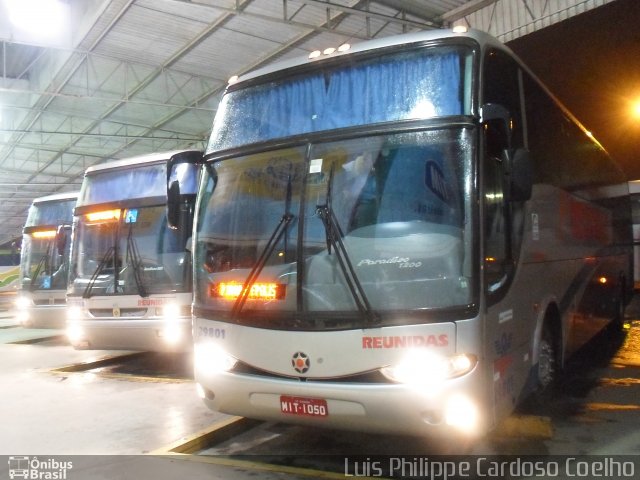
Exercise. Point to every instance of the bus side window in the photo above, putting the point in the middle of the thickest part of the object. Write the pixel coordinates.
(495, 224)
(502, 216)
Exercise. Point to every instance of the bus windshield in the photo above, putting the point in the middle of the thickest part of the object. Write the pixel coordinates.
(128, 251)
(417, 84)
(43, 266)
(343, 231)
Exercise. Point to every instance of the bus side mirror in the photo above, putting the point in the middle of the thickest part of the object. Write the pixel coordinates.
(496, 114)
(173, 204)
(521, 175)
(182, 183)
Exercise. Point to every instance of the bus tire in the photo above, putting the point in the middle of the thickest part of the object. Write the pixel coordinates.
(548, 366)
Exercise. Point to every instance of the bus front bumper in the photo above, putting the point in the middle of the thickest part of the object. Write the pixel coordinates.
(452, 410)
(42, 316)
(156, 335)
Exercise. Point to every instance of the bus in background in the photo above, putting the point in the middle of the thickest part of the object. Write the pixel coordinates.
(130, 284)
(634, 191)
(406, 236)
(44, 262)
(9, 272)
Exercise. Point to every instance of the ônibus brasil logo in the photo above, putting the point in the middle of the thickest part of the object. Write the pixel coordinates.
(38, 469)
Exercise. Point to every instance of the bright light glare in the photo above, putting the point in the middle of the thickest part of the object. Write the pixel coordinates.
(104, 215)
(171, 311)
(171, 333)
(424, 367)
(419, 367)
(75, 332)
(423, 109)
(22, 303)
(461, 413)
(44, 234)
(635, 109)
(210, 358)
(43, 17)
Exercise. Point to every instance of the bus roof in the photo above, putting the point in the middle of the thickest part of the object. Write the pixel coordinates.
(57, 196)
(480, 37)
(139, 160)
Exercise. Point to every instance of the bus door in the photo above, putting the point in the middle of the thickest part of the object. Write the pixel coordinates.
(505, 186)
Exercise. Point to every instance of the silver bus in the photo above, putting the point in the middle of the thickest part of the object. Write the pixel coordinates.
(44, 262)
(130, 284)
(409, 235)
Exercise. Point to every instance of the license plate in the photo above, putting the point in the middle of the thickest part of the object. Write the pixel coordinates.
(309, 407)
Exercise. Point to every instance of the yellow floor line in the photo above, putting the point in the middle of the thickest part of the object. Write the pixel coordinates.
(259, 466)
(216, 433)
(525, 426)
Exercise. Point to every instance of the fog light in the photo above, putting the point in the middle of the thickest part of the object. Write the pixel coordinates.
(461, 413)
(75, 332)
(171, 333)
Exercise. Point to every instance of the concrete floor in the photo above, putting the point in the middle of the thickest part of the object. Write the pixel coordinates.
(106, 426)
(103, 426)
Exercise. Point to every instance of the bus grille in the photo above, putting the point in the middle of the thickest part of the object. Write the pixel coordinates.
(372, 377)
(124, 312)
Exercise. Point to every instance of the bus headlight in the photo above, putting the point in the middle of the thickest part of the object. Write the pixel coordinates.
(22, 303)
(210, 358)
(171, 330)
(170, 311)
(427, 368)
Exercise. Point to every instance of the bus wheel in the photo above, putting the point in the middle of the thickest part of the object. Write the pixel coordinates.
(547, 366)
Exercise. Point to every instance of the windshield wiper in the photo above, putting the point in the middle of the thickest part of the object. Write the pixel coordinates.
(108, 256)
(334, 236)
(134, 260)
(44, 260)
(277, 234)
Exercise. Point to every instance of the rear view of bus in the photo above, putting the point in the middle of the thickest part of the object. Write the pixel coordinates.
(130, 282)
(44, 262)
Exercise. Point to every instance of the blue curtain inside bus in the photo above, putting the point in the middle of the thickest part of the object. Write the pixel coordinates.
(411, 85)
(115, 185)
(51, 213)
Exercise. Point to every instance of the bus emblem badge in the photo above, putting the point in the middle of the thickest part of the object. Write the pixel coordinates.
(116, 312)
(300, 362)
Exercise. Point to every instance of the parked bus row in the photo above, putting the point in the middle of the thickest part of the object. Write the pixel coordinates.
(410, 235)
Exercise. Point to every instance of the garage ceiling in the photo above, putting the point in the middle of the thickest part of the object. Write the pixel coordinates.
(128, 77)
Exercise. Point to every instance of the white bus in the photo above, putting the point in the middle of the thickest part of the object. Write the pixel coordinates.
(409, 236)
(130, 285)
(44, 262)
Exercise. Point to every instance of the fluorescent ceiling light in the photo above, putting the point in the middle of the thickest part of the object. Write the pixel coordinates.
(44, 17)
